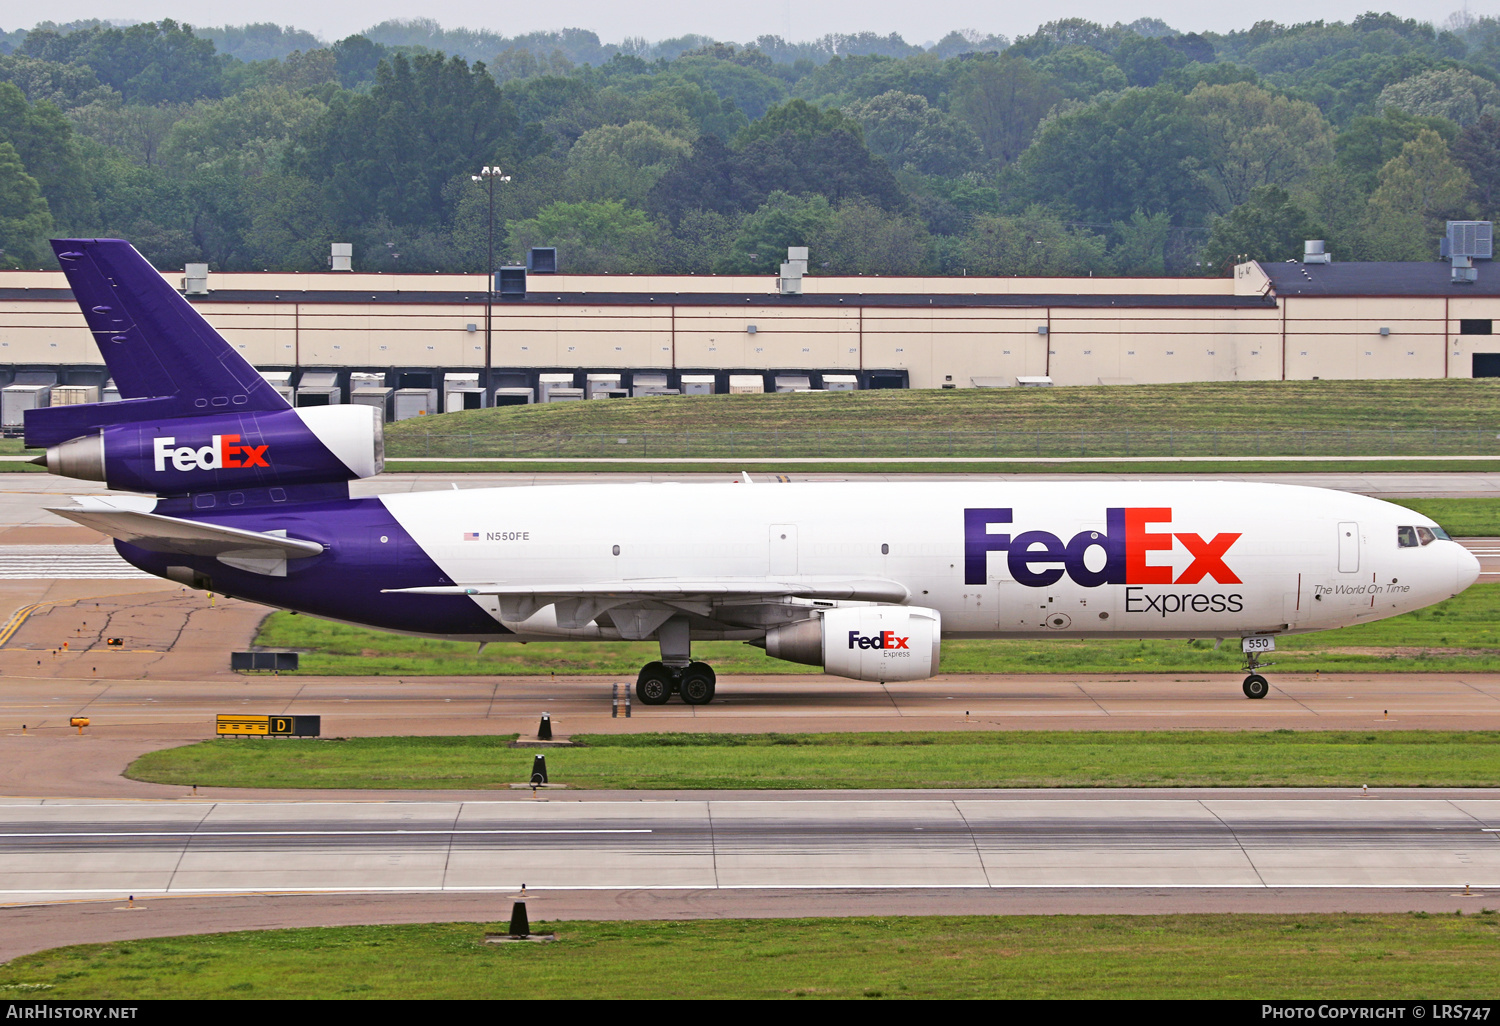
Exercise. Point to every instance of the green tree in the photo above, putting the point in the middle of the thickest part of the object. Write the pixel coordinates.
(1255, 138)
(25, 222)
(1141, 245)
(1035, 243)
(860, 238)
(1082, 73)
(1268, 226)
(44, 141)
(1367, 144)
(1453, 93)
(150, 62)
(782, 220)
(798, 118)
(590, 237)
(251, 131)
(393, 152)
(1003, 101)
(136, 130)
(1477, 150)
(908, 132)
(1139, 151)
(622, 162)
(1419, 189)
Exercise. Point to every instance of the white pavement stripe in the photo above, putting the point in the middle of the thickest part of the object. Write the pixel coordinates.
(64, 562)
(305, 833)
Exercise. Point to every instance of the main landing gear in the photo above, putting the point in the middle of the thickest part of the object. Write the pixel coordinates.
(1255, 685)
(675, 673)
(658, 682)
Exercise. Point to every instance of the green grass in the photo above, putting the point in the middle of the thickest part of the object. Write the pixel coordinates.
(946, 759)
(1459, 635)
(1260, 957)
(1395, 465)
(1262, 418)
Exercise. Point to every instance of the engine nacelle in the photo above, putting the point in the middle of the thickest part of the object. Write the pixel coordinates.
(879, 643)
(313, 445)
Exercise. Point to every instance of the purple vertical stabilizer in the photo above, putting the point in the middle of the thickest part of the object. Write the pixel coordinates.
(157, 348)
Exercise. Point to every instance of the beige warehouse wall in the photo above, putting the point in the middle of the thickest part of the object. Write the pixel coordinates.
(1302, 337)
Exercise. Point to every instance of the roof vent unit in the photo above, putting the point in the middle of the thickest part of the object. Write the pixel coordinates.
(792, 271)
(341, 256)
(195, 279)
(1314, 253)
(1466, 242)
(542, 260)
(510, 282)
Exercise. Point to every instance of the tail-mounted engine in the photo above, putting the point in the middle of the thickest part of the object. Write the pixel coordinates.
(318, 444)
(879, 643)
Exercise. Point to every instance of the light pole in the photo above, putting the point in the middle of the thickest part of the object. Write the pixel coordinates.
(489, 176)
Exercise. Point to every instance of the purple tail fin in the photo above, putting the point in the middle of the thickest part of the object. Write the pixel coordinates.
(157, 348)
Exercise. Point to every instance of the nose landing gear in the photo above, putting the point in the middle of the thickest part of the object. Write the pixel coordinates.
(1255, 685)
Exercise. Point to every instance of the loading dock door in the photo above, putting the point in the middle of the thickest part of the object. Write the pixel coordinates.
(1348, 548)
(1487, 365)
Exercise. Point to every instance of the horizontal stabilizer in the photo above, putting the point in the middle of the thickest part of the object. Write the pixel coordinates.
(870, 590)
(156, 533)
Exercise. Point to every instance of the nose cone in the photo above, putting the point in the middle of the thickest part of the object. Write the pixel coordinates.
(1466, 568)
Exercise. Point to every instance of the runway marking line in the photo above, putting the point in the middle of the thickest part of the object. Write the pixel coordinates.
(313, 833)
(113, 894)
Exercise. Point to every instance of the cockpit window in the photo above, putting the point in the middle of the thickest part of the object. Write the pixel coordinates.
(1425, 535)
(1441, 534)
(1406, 537)
(1412, 537)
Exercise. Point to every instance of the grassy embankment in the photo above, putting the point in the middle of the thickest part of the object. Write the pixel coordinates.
(1391, 419)
(1333, 956)
(956, 759)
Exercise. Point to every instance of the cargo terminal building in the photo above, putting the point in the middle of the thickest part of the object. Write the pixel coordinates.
(416, 343)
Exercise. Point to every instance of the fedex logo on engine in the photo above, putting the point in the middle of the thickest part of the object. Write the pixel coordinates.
(1130, 536)
(885, 640)
(223, 453)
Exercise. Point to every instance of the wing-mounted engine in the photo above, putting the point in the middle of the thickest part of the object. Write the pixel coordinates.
(880, 643)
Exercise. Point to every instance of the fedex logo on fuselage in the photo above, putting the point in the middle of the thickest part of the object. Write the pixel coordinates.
(224, 452)
(1131, 534)
(885, 640)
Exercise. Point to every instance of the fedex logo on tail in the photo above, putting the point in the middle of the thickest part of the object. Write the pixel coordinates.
(1130, 536)
(224, 452)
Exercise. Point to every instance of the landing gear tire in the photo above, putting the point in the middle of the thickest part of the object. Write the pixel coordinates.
(653, 686)
(697, 685)
(1256, 686)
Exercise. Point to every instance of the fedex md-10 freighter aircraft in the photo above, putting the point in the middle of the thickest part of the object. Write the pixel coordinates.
(863, 580)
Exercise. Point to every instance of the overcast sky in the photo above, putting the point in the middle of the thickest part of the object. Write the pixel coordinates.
(737, 20)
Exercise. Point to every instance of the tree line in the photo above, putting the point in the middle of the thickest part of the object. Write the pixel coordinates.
(1079, 149)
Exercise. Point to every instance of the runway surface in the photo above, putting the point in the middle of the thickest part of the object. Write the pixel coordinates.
(52, 851)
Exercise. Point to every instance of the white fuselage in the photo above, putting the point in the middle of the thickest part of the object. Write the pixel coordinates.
(1107, 559)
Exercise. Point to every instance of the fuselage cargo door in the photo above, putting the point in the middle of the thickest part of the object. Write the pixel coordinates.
(1348, 548)
(783, 550)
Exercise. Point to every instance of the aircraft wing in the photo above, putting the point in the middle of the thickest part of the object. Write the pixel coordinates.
(157, 533)
(639, 607)
(872, 590)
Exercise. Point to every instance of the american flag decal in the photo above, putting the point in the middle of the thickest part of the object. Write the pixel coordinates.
(471, 536)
